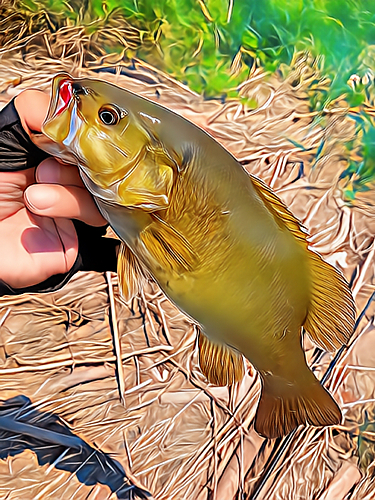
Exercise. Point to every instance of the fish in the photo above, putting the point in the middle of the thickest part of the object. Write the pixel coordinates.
(218, 241)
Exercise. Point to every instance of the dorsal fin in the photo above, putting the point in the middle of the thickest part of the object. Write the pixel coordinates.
(131, 274)
(220, 364)
(331, 314)
(280, 212)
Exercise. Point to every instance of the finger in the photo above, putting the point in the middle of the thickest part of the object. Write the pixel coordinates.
(32, 116)
(52, 244)
(69, 240)
(50, 171)
(12, 186)
(70, 202)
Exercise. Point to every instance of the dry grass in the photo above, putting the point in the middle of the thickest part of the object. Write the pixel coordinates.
(162, 426)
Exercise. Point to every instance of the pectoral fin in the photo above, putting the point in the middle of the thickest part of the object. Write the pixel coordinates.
(168, 247)
(131, 274)
(220, 364)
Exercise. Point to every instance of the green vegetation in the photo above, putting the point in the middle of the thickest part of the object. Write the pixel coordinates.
(211, 45)
(361, 152)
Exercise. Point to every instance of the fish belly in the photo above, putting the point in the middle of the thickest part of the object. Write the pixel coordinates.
(250, 296)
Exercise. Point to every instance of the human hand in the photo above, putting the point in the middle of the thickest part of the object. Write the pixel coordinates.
(37, 236)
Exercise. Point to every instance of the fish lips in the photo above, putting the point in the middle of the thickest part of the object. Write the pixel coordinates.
(63, 100)
(62, 95)
(56, 125)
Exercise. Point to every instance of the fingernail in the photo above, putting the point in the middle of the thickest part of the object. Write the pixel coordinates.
(41, 198)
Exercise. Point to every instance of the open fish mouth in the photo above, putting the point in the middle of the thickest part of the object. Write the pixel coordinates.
(62, 95)
(62, 121)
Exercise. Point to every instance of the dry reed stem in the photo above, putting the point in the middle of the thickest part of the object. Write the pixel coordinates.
(116, 340)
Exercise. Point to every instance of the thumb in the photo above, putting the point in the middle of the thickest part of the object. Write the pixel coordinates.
(70, 202)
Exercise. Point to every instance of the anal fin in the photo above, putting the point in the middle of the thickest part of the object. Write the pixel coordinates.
(220, 364)
(284, 406)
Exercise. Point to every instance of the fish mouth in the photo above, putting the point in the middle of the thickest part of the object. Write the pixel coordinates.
(57, 126)
(62, 95)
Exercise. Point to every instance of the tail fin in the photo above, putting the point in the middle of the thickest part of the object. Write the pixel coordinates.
(282, 407)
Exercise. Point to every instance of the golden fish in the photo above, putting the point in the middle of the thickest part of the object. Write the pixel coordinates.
(219, 242)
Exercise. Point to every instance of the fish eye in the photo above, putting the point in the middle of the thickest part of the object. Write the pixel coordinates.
(110, 115)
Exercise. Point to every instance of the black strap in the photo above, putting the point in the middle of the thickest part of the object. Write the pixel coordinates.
(17, 150)
(95, 254)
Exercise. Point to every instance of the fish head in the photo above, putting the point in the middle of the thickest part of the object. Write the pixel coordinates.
(112, 135)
